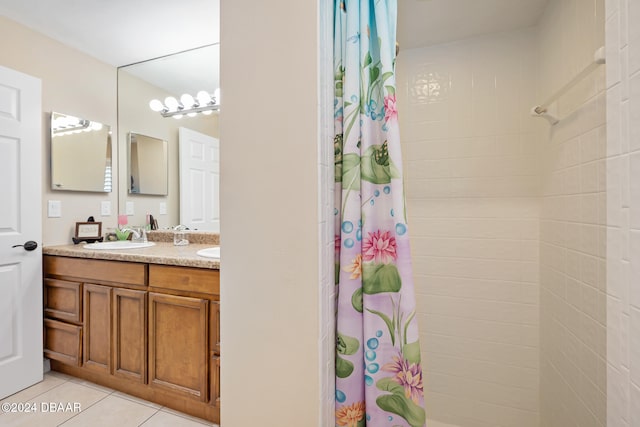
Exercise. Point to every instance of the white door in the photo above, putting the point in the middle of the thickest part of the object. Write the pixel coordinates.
(20, 221)
(199, 180)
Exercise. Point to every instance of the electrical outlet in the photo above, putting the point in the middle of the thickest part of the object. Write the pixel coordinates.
(129, 210)
(163, 208)
(105, 208)
(54, 209)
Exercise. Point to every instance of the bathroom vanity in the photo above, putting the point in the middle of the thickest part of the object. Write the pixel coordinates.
(141, 321)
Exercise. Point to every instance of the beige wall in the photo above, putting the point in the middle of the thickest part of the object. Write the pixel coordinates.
(573, 239)
(270, 214)
(472, 182)
(623, 212)
(72, 83)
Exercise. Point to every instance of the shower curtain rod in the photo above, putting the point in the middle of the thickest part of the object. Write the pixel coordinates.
(542, 110)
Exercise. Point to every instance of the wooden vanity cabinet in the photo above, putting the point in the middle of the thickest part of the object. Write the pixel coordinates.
(178, 344)
(145, 329)
(63, 321)
(96, 344)
(129, 320)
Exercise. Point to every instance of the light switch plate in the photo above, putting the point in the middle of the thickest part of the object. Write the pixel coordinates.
(129, 208)
(105, 208)
(54, 209)
(163, 208)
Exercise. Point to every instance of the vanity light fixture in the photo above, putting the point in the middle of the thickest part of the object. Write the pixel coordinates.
(204, 103)
(66, 125)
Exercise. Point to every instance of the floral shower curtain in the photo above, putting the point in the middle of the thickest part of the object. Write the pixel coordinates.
(378, 372)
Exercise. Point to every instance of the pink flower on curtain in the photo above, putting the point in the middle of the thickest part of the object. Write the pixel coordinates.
(408, 375)
(390, 111)
(379, 247)
(337, 242)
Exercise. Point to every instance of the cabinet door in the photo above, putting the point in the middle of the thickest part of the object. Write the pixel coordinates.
(215, 379)
(178, 353)
(214, 327)
(97, 327)
(130, 334)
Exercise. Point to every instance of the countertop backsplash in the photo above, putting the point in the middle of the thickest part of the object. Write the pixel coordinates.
(199, 237)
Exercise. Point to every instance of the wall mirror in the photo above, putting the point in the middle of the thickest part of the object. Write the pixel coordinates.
(188, 72)
(147, 165)
(80, 154)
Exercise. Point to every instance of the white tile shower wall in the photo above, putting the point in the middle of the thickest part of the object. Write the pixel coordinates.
(573, 241)
(623, 216)
(471, 166)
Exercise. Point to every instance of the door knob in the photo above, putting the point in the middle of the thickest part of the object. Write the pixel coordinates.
(28, 246)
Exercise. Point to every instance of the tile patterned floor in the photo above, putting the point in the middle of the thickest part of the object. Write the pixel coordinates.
(98, 406)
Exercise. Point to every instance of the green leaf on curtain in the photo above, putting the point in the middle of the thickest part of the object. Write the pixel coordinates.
(374, 73)
(377, 278)
(390, 385)
(337, 273)
(391, 90)
(351, 170)
(356, 300)
(367, 60)
(338, 89)
(337, 156)
(406, 325)
(411, 352)
(400, 405)
(386, 75)
(344, 368)
(346, 345)
(389, 323)
(377, 167)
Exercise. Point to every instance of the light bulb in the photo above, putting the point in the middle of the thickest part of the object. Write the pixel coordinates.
(177, 116)
(216, 95)
(156, 105)
(192, 114)
(171, 103)
(187, 100)
(203, 98)
(96, 126)
(208, 112)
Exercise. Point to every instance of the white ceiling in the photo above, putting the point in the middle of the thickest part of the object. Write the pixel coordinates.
(123, 32)
(428, 22)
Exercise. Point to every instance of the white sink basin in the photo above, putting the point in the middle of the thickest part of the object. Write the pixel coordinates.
(118, 244)
(210, 252)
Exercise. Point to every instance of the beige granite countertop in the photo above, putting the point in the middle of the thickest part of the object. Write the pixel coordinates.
(161, 253)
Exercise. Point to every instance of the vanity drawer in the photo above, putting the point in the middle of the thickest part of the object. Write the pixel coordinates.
(63, 300)
(98, 271)
(63, 342)
(185, 279)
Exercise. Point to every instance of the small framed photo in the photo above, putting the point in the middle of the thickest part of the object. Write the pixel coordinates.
(88, 230)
